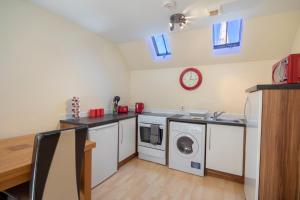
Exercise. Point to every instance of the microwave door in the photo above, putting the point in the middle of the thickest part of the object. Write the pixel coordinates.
(280, 72)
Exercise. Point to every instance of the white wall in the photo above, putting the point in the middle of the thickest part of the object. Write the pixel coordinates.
(45, 60)
(223, 87)
(264, 38)
(296, 44)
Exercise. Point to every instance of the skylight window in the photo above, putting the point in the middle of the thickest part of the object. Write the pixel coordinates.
(227, 35)
(161, 46)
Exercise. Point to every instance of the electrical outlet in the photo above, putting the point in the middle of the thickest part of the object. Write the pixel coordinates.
(182, 108)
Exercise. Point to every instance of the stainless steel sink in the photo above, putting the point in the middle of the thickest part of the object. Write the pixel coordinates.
(193, 117)
(230, 120)
(225, 120)
(212, 119)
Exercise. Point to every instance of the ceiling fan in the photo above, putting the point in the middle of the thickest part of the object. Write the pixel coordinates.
(194, 11)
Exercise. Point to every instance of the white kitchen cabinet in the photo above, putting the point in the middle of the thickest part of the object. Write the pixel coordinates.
(127, 138)
(104, 156)
(224, 148)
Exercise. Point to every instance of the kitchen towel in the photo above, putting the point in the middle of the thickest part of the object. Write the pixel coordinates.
(154, 135)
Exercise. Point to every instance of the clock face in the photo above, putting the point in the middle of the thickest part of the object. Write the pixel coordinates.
(190, 79)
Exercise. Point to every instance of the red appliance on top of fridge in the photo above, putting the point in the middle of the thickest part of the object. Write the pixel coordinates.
(287, 70)
(139, 107)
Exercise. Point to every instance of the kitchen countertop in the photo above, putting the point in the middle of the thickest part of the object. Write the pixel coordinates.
(111, 118)
(106, 119)
(273, 87)
(178, 118)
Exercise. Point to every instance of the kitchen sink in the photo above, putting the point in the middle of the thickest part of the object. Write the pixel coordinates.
(192, 117)
(230, 120)
(225, 120)
(212, 119)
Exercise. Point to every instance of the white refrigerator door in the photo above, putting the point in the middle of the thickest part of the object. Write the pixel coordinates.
(253, 113)
(105, 155)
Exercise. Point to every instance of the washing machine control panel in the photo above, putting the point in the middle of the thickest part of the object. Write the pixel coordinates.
(188, 128)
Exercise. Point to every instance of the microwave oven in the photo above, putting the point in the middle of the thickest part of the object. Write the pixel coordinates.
(287, 70)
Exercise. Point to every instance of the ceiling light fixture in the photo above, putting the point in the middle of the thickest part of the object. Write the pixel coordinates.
(170, 4)
(178, 19)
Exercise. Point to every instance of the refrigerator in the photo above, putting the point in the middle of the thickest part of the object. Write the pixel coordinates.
(253, 114)
(105, 155)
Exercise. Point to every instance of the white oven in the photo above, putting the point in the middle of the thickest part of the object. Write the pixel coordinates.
(149, 149)
(144, 134)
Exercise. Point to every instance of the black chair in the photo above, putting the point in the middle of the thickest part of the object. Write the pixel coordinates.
(56, 171)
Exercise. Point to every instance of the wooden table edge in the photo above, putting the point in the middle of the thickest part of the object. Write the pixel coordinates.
(25, 169)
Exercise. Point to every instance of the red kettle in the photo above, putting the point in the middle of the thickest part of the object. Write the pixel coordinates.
(139, 107)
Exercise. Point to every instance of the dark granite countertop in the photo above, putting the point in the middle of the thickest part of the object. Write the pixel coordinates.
(106, 119)
(111, 118)
(178, 118)
(273, 87)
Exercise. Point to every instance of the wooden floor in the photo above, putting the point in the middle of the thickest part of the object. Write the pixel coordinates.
(142, 180)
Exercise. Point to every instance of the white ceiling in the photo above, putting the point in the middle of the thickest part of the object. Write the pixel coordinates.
(123, 21)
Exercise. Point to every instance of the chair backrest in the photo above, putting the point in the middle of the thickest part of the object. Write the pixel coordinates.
(57, 163)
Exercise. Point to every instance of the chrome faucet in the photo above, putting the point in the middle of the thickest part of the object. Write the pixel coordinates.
(217, 114)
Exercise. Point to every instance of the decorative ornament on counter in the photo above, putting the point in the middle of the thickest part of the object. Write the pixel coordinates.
(115, 104)
(75, 107)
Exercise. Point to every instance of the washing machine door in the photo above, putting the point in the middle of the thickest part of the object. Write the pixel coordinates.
(186, 145)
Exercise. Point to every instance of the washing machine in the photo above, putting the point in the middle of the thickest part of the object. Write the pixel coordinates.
(187, 147)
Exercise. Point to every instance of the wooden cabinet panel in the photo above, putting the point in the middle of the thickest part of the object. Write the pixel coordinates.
(280, 145)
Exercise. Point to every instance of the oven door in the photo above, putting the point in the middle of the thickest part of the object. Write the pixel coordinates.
(144, 134)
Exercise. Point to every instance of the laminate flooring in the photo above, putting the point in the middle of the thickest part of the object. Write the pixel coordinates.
(143, 180)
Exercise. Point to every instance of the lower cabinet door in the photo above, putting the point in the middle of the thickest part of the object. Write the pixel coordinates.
(127, 138)
(104, 156)
(225, 148)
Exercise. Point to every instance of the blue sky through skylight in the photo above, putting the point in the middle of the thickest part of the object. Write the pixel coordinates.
(227, 34)
(161, 45)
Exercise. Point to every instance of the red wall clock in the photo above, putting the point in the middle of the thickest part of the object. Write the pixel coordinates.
(190, 78)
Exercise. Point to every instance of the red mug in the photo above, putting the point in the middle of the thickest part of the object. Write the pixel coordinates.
(92, 113)
(99, 112)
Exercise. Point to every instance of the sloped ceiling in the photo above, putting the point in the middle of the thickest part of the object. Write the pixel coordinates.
(269, 28)
(130, 20)
(264, 38)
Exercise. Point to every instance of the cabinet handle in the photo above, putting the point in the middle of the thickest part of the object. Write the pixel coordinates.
(122, 134)
(209, 138)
